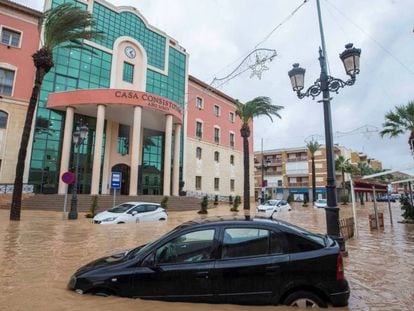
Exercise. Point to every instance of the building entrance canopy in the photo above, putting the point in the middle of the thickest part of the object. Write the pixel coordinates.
(140, 110)
(117, 101)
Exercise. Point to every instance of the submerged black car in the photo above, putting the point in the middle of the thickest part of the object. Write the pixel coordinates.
(228, 260)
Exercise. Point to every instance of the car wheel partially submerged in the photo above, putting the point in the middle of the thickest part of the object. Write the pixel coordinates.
(304, 299)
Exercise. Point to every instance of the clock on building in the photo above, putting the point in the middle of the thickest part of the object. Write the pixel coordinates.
(130, 52)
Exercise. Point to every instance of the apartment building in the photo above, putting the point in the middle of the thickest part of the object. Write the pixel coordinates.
(19, 39)
(360, 157)
(288, 171)
(214, 147)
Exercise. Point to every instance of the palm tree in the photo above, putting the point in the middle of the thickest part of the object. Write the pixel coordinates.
(313, 146)
(343, 165)
(256, 107)
(399, 122)
(67, 25)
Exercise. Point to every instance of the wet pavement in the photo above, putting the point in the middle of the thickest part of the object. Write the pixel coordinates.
(39, 254)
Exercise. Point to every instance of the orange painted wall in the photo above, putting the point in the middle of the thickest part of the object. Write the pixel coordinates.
(21, 57)
(210, 120)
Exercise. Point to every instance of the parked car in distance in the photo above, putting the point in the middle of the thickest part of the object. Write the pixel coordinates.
(239, 260)
(385, 199)
(271, 206)
(320, 203)
(131, 212)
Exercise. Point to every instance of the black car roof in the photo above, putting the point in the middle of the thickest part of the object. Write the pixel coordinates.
(229, 220)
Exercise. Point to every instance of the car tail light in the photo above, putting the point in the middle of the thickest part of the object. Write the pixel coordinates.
(340, 268)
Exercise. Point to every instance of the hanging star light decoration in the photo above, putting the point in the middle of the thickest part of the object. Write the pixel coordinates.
(255, 62)
(258, 67)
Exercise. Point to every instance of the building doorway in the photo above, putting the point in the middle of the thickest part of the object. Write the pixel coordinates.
(152, 168)
(125, 170)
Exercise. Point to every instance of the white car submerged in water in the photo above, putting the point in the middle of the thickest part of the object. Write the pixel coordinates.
(131, 212)
(272, 206)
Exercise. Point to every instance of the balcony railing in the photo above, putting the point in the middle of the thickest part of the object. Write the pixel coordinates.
(298, 159)
(273, 173)
(298, 184)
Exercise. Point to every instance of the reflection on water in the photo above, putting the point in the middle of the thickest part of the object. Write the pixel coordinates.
(39, 254)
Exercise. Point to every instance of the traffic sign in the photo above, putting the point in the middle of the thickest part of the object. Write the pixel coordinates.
(68, 178)
(116, 179)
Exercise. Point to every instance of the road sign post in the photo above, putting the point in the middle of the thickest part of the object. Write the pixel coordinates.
(116, 179)
(67, 178)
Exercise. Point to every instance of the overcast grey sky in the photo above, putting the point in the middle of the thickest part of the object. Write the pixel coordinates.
(219, 33)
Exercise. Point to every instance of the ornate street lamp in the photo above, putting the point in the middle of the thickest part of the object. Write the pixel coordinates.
(78, 137)
(326, 84)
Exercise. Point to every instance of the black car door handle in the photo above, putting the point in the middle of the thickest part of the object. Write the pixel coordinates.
(202, 274)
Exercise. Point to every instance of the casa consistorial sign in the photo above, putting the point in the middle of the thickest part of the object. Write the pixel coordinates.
(109, 97)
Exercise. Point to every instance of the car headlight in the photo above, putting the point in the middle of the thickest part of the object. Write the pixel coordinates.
(109, 219)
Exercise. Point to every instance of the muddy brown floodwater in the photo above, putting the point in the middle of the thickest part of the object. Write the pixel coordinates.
(39, 254)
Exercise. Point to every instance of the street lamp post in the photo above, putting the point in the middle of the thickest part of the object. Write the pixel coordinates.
(263, 167)
(78, 137)
(326, 84)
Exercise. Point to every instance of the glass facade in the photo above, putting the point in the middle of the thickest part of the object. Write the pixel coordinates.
(91, 69)
(151, 181)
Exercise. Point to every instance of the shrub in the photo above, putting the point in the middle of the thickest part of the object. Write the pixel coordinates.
(93, 208)
(407, 208)
(216, 199)
(305, 202)
(230, 200)
(344, 199)
(164, 203)
(236, 203)
(204, 205)
(290, 198)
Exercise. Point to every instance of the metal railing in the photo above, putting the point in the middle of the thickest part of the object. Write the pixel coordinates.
(298, 159)
(8, 188)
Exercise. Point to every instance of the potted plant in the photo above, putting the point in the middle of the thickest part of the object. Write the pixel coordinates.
(164, 202)
(93, 208)
(230, 200)
(344, 199)
(216, 200)
(236, 203)
(305, 202)
(204, 205)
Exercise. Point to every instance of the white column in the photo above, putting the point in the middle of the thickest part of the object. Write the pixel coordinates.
(107, 157)
(176, 167)
(167, 154)
(67, 142)
(135, 150)
(97, 152)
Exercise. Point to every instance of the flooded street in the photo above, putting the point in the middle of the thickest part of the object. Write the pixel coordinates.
(40, 253)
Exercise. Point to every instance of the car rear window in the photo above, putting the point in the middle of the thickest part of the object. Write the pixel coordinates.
(299, 244)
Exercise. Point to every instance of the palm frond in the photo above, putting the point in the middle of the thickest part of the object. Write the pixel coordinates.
(313, 146)
(399, 121)
(68, 23)
(258, 106)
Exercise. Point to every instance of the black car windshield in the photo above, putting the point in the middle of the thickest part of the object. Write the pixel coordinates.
(122, 208)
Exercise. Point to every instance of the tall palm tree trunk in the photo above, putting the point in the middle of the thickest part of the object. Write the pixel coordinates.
(245, 133)
(43, 61)
(313, 180)
(343, 181)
